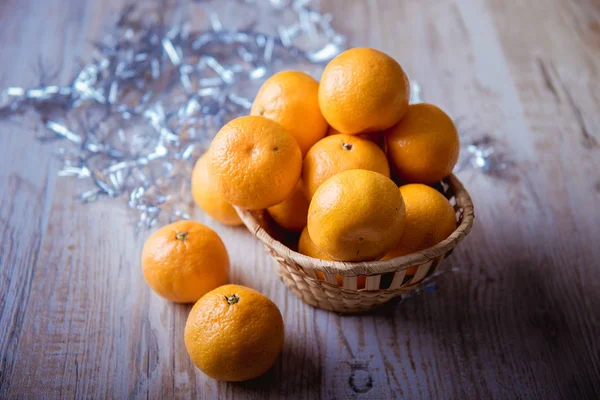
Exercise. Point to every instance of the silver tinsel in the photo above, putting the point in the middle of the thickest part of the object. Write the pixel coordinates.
(482, 152)
(161, 84)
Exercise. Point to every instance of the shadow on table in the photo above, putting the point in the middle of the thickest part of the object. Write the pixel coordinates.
(293, 376)
(524, 322)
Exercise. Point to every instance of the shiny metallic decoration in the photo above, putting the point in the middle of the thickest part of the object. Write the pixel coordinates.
(485, 154)
(160, 85)
(416, 93)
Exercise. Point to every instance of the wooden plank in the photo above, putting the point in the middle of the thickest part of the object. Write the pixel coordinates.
(558, 85)
(26, 185)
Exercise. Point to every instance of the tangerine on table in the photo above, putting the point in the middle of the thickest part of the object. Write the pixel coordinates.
(363, 90)
(256, 162)
(184, 260)
(291, 213)
(207, 196)
(430, 218)
(308, 248)
(423, 147)
(234, 333)
(356, 215)
(291, 99)
(337, 153)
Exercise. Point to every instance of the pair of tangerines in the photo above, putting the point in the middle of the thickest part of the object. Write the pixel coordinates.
(318, 157)
(233, 333)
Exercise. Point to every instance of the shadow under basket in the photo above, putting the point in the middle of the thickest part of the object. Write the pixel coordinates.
(384, 279)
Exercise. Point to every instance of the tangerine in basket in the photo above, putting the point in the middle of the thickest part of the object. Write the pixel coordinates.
(363, 90)
(291, 213)
(184, 260)
(376, 137)
(430, 218)
(356, 215)
(337, 153)
(308, 248)
(255, 161)
(423, 147)
(291, 98)
(207, 196)
(234, 333)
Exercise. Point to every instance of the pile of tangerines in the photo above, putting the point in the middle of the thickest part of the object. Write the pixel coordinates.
(347, 162)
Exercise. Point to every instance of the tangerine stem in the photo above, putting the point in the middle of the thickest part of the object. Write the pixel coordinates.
(181, 236)
(234, 298)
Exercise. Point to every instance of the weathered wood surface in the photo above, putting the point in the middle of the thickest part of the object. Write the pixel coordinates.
(519, 319)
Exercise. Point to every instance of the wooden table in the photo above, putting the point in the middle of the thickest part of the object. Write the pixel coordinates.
(519, 318)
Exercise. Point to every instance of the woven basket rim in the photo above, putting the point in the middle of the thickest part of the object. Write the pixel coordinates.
(463, 201)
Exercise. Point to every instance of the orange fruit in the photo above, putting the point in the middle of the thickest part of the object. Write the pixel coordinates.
(291, 213)
(375, 137)
(308, 248)
(234, 333)
(184, 260)
(337, 153)
(423, 147)
(207, 197)
(430, 218)
(255, 162)
(363, 90)
(291, 99)
(356, 215)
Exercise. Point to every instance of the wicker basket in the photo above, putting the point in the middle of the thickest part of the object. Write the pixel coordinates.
(384, 279)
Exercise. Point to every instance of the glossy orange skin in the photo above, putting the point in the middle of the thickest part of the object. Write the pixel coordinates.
(423, 147)
(308, 248)
(207, 196)
(337, 153)
(291, 213)
(291, 99)
(376, 137)
(184, 260)
(363, 90)
(255, 161)
(430, 218)
(234, 342)
(356, 215)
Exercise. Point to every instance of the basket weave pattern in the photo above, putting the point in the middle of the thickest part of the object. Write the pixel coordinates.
(384, 279)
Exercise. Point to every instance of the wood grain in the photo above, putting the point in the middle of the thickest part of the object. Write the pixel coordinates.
(519, 318)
